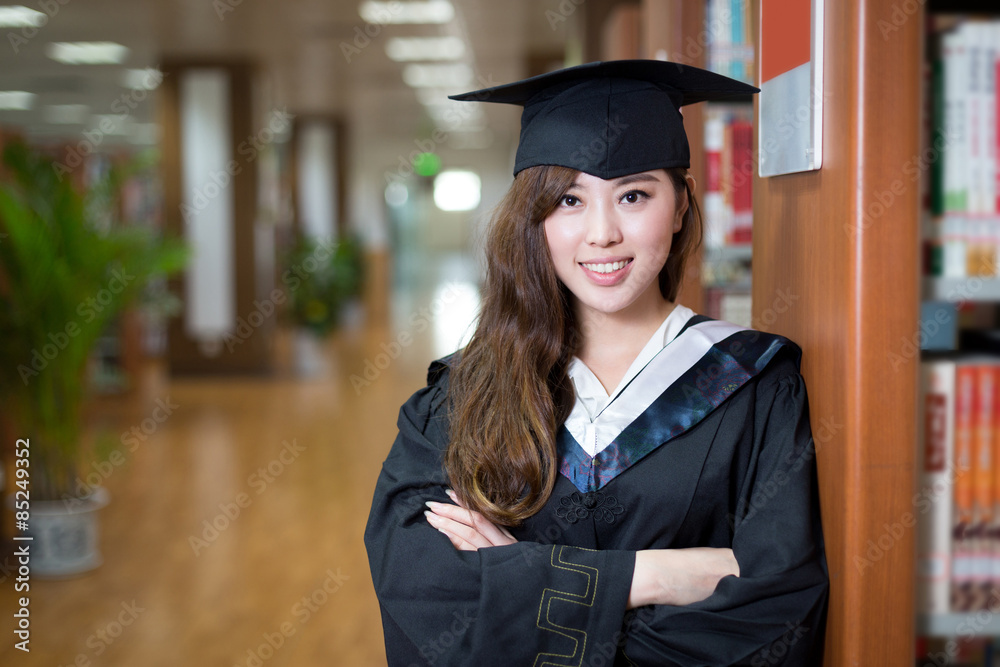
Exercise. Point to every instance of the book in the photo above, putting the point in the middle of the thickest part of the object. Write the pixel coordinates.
(934, 496)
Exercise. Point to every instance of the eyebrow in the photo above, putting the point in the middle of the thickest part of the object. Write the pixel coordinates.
(637, 178)
(626, 180)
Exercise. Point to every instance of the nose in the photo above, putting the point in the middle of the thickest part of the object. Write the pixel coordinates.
(603, 228)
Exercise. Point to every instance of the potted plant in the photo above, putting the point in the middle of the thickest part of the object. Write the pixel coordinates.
(66, 272)
(322, 277)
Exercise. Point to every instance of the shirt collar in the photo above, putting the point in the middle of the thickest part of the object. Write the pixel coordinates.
(589, 389)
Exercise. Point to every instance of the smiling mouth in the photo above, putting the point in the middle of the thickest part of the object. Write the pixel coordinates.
(606, 267)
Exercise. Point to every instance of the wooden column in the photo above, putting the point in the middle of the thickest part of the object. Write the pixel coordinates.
(249, 350)
(672, 28)
(836, 269)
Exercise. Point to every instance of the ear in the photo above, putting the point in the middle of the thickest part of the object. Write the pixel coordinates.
(683, 203)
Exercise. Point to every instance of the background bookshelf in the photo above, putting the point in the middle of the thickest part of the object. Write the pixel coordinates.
(959, 537)
(726, 192)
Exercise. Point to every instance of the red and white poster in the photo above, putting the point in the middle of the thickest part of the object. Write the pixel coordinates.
(791, 83)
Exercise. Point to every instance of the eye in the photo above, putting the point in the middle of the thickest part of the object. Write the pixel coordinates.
(634, 196)
(569, 200)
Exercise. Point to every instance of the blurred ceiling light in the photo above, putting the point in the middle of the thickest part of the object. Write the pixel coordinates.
(65, 114)
(437, 76)
(19, 16)
(148, 78)
(457, 190)
(18, 100)
(402, 49)
(87, 53)
(396, 194)
(474, 140)
(429, 11)
(147, 134)
(112, 123)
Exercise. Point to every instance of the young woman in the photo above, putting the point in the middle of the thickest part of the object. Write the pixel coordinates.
(602, 476)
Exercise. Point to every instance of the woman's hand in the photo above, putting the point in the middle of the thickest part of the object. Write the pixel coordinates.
(466, 529)
(679, 576)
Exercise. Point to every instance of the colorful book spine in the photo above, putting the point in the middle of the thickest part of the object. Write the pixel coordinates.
(936, 489)
(962, 564)
(717, 222)
(983, 475)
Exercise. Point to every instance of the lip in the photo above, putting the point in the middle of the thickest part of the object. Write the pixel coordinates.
(607, 279)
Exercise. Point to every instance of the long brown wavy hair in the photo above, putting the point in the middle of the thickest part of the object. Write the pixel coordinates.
(510, 391)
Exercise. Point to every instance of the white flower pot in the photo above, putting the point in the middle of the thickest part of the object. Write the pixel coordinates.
(65, 535)
(309, 357)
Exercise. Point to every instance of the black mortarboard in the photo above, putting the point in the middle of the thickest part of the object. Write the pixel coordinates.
(609, 119)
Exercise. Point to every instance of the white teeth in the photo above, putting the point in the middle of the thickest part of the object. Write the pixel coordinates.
(605, 268)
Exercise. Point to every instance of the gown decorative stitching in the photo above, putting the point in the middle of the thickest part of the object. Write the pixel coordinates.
(579, 506)
(550, 595)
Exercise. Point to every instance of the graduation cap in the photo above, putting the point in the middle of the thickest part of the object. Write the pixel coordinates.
(609, 119)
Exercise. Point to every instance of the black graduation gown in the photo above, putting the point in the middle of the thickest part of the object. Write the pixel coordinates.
(724, 458)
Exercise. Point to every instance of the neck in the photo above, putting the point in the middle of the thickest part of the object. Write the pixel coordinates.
(610, 334)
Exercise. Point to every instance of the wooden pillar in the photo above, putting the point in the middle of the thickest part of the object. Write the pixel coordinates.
(620, 37)
(595, 22)
(835, 256)
(670, 31)
(236, 347)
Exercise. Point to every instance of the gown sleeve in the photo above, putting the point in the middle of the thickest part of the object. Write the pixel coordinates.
(521, 604)
(774, 613)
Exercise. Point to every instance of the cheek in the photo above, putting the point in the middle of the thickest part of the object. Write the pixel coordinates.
(560, 240)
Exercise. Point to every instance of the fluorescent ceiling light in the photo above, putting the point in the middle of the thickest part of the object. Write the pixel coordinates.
(146, 134)
(18, 100)
(65, 114)
(402, 49)
(475, 140)
(429, 11)
(457, 190)
(437, 76)
(112, 123)
(18, 16)
(142, 79)
(87, 53)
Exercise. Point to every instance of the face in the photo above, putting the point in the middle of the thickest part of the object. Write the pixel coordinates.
(610, 239)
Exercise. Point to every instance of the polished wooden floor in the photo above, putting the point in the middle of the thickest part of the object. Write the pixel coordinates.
(291, 568)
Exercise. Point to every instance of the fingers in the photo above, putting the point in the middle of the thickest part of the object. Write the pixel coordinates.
(469, 527)
(461, 534)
